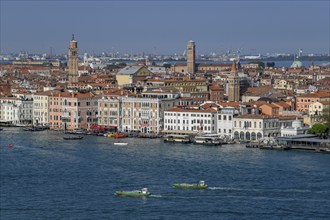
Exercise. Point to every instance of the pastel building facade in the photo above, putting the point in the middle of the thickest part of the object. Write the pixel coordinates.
(145, 113)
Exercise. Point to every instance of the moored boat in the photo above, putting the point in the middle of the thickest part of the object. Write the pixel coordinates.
(119, 135)
(177, 138)
(208, 139)
(73, 138)
(135, 193)
(200, 185)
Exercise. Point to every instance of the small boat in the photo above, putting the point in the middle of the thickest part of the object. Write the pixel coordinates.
(120, 143)
(200, 185)
(177, 138)
(135, 193)
(207, 139)
(35, 128)
(73, 138)
(119, 135)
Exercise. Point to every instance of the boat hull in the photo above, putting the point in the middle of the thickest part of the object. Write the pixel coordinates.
(132, 194)
(189, 186)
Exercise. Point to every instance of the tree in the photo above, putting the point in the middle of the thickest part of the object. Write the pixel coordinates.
(270, 64)
(319, 129)
(325, 117)
(260, 63)
(167, 65)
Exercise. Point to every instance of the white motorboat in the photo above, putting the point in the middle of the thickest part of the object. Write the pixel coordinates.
(120, 143)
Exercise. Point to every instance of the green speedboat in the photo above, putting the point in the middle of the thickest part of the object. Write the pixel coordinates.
(200, 185)
(135, 193)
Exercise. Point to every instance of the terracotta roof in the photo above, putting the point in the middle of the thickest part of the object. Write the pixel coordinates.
(258, 91)
(176, 109)
(255, 116)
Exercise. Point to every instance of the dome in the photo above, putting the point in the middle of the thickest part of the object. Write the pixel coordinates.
(296, 64)
(296, 124)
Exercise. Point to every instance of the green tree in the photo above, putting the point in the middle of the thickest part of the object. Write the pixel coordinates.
(260, 63)
(319, 129)
(270, 64)
(325, 117)
(167, 65)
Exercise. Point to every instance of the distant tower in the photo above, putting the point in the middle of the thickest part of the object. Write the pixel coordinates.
(73, 61)
(233, 84)
(191, 56)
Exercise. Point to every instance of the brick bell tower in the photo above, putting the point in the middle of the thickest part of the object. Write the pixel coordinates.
(73, 61)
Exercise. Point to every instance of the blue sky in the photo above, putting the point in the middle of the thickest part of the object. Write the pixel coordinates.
(165, 27)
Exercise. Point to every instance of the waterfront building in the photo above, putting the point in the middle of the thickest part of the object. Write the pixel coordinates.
(233, 85)
(109, 109)
(198, 119)
(41, 108)
(296, 128)
(73, 61)
(16, 111)
(255, 127)
(73, 110)
(145, 112)
(132, 75)
(225, 122)
(191, 57)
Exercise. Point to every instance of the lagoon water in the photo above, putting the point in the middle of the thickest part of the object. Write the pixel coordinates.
(44, 177)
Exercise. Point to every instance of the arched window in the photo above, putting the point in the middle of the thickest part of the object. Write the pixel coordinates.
(253, 136)
(247, 136)
(236, 135)
(259, 135)
(241, 135)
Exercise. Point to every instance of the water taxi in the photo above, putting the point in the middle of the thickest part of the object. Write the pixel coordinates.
(208, 139)
(135, 193)
(177, 138)
(200, 185)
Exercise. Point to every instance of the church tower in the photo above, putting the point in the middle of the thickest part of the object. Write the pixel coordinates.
(191, 57)
(73, 61)
(233, 84)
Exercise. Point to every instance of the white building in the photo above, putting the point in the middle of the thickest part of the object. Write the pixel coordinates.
(297, 128)
(225, 122)
(16, 111)
(255, 127)
(184, 119)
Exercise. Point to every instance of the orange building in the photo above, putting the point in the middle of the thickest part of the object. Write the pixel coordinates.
(304, 101)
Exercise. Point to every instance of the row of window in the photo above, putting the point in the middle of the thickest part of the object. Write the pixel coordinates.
(194, 128)
(187, 115)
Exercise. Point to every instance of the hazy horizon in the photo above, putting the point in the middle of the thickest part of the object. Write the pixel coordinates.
(165, 27)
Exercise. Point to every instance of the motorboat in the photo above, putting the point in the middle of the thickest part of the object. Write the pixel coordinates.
(177, 138)
(207, 139)
(200, 185)
(135, 193)
(119, 135)
(120, 143)
(73, 138)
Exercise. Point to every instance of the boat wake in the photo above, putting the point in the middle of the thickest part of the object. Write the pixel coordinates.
(264, 190)
(156, 196)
